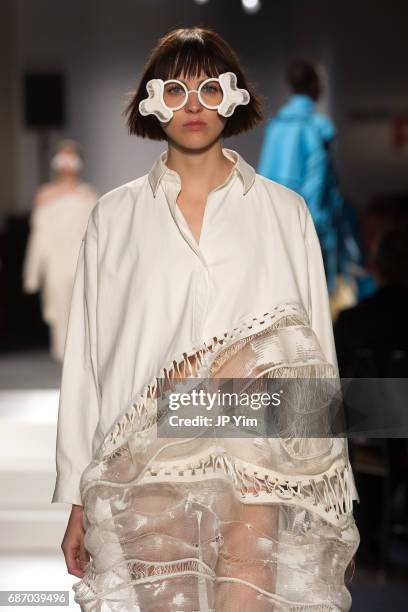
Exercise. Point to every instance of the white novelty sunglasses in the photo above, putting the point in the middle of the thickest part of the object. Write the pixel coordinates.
(215, 93)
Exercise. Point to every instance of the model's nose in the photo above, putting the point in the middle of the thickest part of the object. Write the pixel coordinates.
(193, 103)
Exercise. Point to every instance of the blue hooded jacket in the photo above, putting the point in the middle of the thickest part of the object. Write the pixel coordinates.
(296, 153)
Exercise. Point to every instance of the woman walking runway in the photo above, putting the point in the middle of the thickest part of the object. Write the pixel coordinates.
(200, 270)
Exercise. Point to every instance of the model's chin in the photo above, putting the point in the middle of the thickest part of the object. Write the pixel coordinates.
(195, 140)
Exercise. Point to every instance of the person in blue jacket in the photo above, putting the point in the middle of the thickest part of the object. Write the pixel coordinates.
(296, 152)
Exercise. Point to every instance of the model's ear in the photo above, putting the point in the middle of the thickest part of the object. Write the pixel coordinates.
(233, 95)
(153, 104)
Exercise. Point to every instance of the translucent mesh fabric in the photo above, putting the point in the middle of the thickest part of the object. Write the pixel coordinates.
(214, 523)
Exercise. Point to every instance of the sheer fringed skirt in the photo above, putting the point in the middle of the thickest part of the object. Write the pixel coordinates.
(221, 524)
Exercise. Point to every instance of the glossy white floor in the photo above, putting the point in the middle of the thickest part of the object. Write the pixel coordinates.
(39, 572)
(31, 528)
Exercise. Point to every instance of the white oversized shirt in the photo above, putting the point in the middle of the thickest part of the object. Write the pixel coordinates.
(145, 292)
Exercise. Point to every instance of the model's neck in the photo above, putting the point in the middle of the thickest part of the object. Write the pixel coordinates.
(67, 181)
(201, 170)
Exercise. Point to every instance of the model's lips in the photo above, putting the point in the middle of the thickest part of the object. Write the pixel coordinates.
(194, 124)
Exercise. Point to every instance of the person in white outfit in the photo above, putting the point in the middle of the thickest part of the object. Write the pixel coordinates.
(200, 270)
(57, 225)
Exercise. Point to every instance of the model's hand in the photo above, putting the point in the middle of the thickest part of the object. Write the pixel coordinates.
(76, 556)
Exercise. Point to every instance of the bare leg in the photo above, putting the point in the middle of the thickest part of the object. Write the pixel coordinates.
(248, 554)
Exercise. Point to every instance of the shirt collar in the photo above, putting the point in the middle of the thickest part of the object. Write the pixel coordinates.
(244, 170)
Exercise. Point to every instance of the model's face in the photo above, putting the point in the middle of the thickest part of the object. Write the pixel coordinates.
(67, 163)
(194, 126)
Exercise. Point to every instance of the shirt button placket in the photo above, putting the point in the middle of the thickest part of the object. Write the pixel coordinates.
(201, 299)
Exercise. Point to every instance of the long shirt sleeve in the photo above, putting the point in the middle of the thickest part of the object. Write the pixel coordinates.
(33, 264)
(319, 305)
(79, 401)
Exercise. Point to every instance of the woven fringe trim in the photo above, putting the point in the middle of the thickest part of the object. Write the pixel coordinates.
(295, 314)
(331, 490)
(140, 571)
(138, 418)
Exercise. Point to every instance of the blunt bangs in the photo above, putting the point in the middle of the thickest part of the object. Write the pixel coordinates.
(190, 57)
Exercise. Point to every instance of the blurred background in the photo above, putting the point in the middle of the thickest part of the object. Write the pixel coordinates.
(65, 70)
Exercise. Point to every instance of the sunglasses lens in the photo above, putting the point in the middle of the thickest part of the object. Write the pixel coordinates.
(211, 93)
(174, 94)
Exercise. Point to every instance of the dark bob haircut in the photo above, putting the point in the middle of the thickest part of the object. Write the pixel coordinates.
(190, 51)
